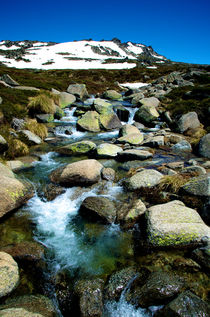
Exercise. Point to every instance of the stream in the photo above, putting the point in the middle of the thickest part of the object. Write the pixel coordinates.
(73, 244)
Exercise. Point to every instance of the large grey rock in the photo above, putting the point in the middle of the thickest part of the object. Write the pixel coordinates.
(108, 150)
(85, 172)
(3, 144)
(129, 213)
(78, 148)
(110, 121)
(97, 208)
(15, 165)
(146, 114)
(151, 101)
(204, 146)
(90, 293)
(29, 137)
(112, 94)
(182, 146)
(66, 99)
(186, 304)
(127, 129)
(13, 192)
(89, 122)
(188, 121)
(131, 155)
(199, 186)
(136, 98)
(145, 178)
(174, 224)
(133, 139)
(102, 106)
(45, 118)
(9, 274)
(154, 141)
(79, 90)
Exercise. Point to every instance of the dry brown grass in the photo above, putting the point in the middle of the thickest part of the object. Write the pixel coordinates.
(37, 128)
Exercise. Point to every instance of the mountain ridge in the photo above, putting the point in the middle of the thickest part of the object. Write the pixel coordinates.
(84, 54)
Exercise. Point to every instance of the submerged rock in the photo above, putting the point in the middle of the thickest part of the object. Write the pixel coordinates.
(33, 303)
(85, 172)
(159, 287)
(51, 191)
(173, 224)
(186, 304)
(98, 208)
(9, 274)
(90, 293)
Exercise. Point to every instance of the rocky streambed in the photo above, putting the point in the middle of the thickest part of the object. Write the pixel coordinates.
(117, 213)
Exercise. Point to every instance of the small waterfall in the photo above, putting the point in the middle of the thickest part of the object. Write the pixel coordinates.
(123, 309)
(132, 112)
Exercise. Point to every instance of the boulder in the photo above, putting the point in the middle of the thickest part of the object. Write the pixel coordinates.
(151, 102)
(66, 99)
(18, 312)
(199, 186)
(90, 293)
(36, 304)
(146, 178)
(199, 170)
(102, 106)
(154, 141)
(159, 288)
(128, 129)
(131, 155)
(15, 165)
(79, 90)
(175, 225)
(188, 121)
(186, 304)
(136, 98)
(202, 256)
(13, 192)
(59, 113)
(146, 114)
(17, 124)
(85, 172)
(78, 148)
(89, 122)
(117, 283)
(133, 139)
(29, 137)
(107, 150)
(204, 146)
(108, 174)
(45, 118)
(112, 95)
(182, 146)
(25, 251)
(9, 274)
(110, 121)
(3, 144)
(51, 191)
(129, 213)
(122, 113)
(98, 208)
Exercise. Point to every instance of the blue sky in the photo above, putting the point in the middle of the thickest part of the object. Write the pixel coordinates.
(180, 30)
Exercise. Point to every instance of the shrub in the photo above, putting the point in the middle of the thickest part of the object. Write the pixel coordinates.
(37, 128)
(41, 103)
(16, 148)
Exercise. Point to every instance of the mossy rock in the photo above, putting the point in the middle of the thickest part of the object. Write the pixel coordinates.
(133, 139)
(102, 106)
(175, 225)
(110, 121)
(66, 99)
(89, 122)
(112, 94)
(108, 150)
(82, 147)
(146, 114)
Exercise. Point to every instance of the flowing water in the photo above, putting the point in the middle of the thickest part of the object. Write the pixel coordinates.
(72, 243)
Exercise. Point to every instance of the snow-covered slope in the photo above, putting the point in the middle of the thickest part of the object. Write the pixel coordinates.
(85, 54)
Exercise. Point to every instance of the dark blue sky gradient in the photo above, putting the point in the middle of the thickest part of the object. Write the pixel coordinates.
(180, 30)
